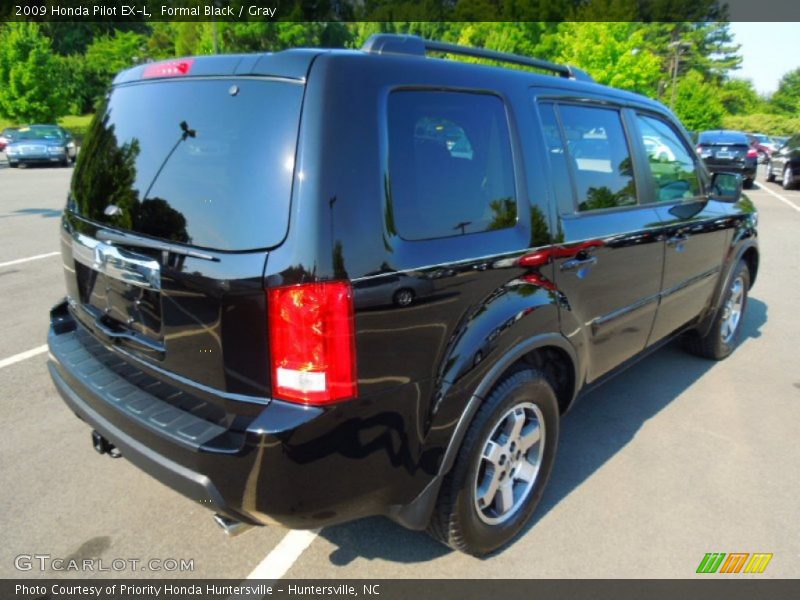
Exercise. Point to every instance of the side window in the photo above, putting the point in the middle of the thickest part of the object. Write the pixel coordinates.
(557, 157)
(450, 164)
(672, 165)
(600, 157)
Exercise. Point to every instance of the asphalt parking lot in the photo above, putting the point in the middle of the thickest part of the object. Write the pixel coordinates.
(674, 458)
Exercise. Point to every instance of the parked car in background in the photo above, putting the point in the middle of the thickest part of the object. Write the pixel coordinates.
(726, 151)
(785, 163)
(6, 137)
(763, 144)
(41, 144)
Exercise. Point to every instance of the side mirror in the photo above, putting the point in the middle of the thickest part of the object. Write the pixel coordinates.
(726, 187)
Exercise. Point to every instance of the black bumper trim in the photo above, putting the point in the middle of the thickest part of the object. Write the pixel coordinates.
(185, 481)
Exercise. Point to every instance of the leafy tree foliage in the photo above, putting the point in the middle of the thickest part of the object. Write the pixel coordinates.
(29, 75)
(787, 98)
(697, 103)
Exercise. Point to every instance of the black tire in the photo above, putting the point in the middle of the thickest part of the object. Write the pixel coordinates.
(717, 343)
(787, 182)
(404, 297)
(13, 165)
(770, 174)
(748, 184)
(456, 521)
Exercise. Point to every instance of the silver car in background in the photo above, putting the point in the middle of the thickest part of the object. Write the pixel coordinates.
(41, 144)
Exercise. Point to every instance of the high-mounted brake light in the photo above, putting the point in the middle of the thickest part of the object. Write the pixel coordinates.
(312, 342)
(168, 68)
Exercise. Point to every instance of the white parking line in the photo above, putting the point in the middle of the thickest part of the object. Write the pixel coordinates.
(278, 562)
(23, 260)
(778, 196)
(22, 356)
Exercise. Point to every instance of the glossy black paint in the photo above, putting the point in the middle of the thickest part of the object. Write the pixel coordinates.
(787, 156)
(482, 299)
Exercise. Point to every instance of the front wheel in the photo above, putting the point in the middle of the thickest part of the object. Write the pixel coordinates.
(502, 467)
(726, 330)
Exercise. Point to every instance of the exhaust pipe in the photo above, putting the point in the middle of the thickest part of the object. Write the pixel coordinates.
(231, 527)
(103, 446)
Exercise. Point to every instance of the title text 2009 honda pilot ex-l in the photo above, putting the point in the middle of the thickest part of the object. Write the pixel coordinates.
(317, 285)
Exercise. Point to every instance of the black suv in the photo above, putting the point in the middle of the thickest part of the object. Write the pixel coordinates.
(232, 220)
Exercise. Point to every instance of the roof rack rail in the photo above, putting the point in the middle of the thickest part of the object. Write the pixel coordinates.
(413, 45)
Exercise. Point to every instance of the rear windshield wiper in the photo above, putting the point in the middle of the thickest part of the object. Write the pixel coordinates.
(127, 239)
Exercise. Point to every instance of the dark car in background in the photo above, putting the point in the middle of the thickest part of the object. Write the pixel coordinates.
(231, 216)
(41, 144)
(7, 136)
(725, 151)
(785, 163)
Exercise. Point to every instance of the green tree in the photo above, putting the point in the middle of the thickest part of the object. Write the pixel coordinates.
(787, 98)
(739, 97)
(30, 75)
(614, 54)
(697, 103)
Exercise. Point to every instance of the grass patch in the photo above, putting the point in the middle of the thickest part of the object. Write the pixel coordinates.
(77, 125)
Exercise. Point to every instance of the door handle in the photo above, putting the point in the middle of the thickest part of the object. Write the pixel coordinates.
(677, 240)
(578, 263)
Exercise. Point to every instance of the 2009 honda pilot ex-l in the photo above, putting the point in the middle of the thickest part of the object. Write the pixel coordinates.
(316, 285)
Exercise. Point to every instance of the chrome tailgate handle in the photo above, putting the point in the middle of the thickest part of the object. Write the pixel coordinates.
(117, 263)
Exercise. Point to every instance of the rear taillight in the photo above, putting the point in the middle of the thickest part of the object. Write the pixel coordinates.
(752, 153)
(168, 68)
(312, 342)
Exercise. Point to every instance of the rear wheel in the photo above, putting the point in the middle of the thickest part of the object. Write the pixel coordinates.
(502, 467)
(726, 330)
(770, 174)
(13, 165)
(748, 184)
(788, 178)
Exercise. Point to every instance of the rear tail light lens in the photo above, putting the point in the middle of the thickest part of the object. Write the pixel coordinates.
(312, 342)
(752, 153)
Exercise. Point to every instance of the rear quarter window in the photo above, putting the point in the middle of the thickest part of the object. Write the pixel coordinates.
(450, 164)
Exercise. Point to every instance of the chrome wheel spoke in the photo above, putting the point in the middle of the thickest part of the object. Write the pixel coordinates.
(525, 471)
(530, 437)
(505, 496)
(492, 453)
(488, 490)
(517, 423)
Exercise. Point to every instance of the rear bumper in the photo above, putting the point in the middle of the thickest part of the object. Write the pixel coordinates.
(746, 170)
(302, 467)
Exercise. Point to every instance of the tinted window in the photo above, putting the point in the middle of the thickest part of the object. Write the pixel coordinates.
(672, 165)
(202, 162)
(721, 138)
(600, 157)
(557, 156)
(450, 164)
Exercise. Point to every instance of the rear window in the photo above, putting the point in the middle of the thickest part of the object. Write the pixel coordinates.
(731, 138)
(201, 162)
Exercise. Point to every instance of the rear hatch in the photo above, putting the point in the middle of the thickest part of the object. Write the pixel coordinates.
(723, 149)
(181, 188)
